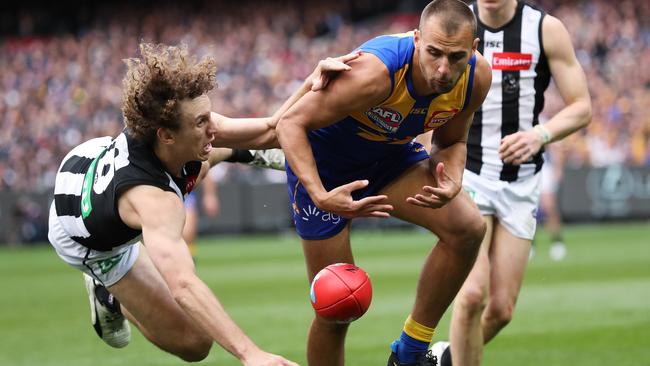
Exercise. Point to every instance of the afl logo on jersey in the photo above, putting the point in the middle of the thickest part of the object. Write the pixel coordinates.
(439, 118)
(386, 118)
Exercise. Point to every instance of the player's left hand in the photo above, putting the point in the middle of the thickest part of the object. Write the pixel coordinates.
(519, 147)
(329, 68)
(446, 189)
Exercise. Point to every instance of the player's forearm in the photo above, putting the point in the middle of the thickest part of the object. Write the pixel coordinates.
(199, 302)
(453, 156)
(568, 120)
(266, 140)
(243, 133)
(297, 150)
(217, 155)
(304, 88)
(172, 258)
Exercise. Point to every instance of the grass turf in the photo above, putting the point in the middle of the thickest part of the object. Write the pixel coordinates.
(591, 309)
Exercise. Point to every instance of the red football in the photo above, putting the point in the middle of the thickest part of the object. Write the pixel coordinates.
(341, 292)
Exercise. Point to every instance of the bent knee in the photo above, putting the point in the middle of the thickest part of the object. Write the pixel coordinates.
(500, 313)
(472, 300)
(194, 349)
(467, 236)
(475, 231)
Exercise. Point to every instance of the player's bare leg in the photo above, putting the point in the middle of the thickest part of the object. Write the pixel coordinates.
(460, 229)
(466, 333)
(553, 223)
(167, 325)
(508, 259)
(326, 342)
(479, 312)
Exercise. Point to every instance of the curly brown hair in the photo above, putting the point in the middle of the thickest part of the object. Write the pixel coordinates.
(155, 84)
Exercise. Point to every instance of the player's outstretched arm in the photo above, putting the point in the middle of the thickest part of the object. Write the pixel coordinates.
(448, 145)
(571, 83)
(259, 133)
(162, 215)
(360, 88)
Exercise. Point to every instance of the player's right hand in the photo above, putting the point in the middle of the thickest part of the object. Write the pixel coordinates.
(261, 358)
(443, 191)
(339, 201)
(329, 68)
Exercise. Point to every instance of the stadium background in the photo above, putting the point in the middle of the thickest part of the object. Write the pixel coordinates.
(60, 76)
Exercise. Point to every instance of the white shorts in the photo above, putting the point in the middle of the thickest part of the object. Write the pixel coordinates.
(514, 204)
(549, 183)
(107, 267)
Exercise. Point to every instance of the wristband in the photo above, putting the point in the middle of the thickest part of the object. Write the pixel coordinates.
(240, 156)
(543, 133)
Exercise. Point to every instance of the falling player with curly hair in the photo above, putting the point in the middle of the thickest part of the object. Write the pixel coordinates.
(118, 208)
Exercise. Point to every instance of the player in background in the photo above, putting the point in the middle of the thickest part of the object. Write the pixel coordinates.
(351, 153)
(552, 172)
(525, 48)
(210, 205)
(118, 212)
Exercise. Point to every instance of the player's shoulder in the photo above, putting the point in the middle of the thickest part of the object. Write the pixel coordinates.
(549, 23)
(142, 204)
(552, 24)
(482, 73)
(150, 198)
(555, 38)
(394, 50)
(532, 6)
(481, 82)
(389, 40)
(368, 78)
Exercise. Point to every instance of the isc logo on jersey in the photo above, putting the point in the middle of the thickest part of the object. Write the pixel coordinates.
(386, 118)
(439, 118)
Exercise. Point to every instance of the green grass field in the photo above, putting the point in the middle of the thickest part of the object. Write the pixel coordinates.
(591, 309)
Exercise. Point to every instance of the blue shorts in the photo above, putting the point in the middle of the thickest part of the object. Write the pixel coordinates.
(314, 224)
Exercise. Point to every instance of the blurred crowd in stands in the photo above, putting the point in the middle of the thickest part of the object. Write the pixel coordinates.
(60, 88)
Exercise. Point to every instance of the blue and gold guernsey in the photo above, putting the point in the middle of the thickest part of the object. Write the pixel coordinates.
(376, 144)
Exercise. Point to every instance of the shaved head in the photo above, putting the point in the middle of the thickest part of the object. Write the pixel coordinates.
(453, 14)
(444, 44)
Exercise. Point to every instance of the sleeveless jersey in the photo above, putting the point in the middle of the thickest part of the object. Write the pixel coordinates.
(520, 75)
(92, 176)
(365, 137)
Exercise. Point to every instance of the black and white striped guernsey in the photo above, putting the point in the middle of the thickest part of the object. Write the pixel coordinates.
(520, 75)
(92, 176)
